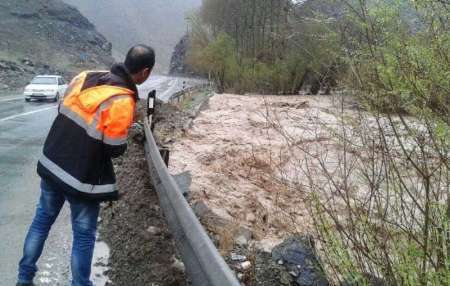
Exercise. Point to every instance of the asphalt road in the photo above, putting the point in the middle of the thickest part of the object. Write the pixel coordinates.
(23, 129)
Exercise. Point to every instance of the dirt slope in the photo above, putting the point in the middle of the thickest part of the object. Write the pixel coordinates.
(142, 249)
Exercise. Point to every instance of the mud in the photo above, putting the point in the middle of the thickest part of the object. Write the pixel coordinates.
(239, 164)
(142, 248)
(243, 173)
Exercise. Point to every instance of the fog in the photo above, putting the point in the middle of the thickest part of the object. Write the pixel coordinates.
(159, 23)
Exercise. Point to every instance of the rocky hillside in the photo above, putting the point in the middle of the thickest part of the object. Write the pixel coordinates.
(46, 36)
(178, 61)
(159, 23)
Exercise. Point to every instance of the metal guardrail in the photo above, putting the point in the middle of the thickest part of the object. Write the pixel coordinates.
(178, 96)
(204, 265)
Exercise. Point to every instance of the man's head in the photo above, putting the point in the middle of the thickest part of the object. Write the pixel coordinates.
(140, 61)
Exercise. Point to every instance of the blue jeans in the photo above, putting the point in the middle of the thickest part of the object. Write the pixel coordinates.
(84, 216)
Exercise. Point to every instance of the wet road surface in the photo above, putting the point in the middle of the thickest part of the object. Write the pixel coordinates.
(23, 129)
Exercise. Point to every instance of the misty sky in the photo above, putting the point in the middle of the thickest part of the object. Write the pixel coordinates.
(159, 23)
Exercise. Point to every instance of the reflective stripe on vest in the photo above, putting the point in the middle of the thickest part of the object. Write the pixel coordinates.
(72, 181)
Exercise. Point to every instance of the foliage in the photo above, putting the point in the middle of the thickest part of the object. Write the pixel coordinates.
(396, 228)
(274, 49)
(218, 59)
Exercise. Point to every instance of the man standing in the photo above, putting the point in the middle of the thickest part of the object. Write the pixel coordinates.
(91, 128)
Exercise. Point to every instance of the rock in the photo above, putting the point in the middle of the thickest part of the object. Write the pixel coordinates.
(27, 62)
(137, 133)
(243, 236)
(245, 265)
(237, 257)
(169, 141)
(299, 258)
(217, 217)
(303, 104)
(241, 240)
(294, 273)
(251, 217)
(178, 265)
(266, 245)
(107, 47)
(269, 273)
(184, 181)
(154, 230)
(200, 209)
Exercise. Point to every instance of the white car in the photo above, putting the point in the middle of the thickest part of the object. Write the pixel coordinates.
(45, 87)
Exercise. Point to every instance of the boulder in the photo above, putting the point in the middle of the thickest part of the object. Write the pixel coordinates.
(214, 218)
(184, 181)
(298, 256)
(243, 236)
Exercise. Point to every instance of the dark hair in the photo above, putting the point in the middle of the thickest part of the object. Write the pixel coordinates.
(140, 57)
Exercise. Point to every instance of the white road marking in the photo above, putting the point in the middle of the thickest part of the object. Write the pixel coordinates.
(11, 99)
(26, 113)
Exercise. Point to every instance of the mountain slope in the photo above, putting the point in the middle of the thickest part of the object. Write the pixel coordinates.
(159, 23)
(46, 36)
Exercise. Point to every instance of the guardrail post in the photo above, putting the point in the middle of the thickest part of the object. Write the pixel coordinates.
(151, 97)
(151, 103)
(165, 154)
(152, 126)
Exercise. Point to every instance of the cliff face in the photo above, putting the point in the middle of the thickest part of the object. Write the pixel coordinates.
(159, 23)
(178, 63)
(46, 36)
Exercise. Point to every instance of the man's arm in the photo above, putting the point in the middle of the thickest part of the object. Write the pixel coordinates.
(116, 119)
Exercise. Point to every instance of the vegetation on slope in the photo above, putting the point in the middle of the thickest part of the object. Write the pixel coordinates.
(265, 46)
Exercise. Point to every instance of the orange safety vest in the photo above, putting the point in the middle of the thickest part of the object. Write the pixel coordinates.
(90, 129)
(106, 112)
